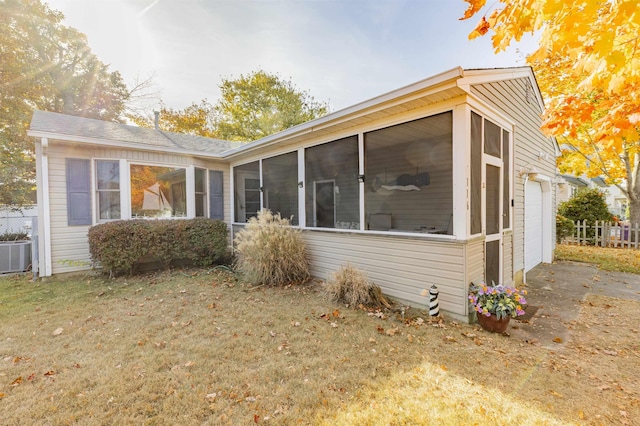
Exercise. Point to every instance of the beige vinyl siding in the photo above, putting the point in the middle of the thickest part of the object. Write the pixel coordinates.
(474, 255)
(69, 244)
(516, 99)
(402, 266)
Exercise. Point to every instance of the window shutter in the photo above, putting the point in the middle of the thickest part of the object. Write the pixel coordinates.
(216, 194)
(78, 192)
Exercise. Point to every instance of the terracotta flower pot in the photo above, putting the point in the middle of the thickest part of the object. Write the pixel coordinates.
(493, 324)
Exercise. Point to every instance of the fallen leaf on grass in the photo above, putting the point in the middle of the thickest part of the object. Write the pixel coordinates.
(58, 331)
(17, 381)
(211, 396)
(558, 339)
(410, 338)
(554, 393)
(1, 395)
(612, 353)
(49, 373)
(604, 387)
(392, 331)
(334, 324)
(190, 364)
(272, 333)
(380, 330)
(336, 313)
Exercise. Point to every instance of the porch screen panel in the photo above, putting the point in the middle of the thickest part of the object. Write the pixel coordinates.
(493, 200)
(476, 174)
(506, 198)
(492, 139)
(280, 185)
(331, 182)
(246, 187)
(492, 266)
(409, 176)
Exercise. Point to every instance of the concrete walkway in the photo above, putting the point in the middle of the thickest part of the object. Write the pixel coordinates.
(557, 289)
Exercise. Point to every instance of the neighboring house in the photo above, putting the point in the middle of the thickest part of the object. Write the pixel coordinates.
(569, 185)
(443, 182)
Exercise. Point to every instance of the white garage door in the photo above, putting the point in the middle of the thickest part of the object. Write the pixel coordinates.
(532, 225)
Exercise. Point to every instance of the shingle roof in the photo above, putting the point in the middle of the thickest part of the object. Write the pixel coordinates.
(72, 126)
(576, 181)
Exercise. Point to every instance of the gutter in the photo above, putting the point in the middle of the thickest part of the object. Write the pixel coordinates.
(122, 144)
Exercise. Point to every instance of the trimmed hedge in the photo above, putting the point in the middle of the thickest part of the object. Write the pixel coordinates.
(120, 245)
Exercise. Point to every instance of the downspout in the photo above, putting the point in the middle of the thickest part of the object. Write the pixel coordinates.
(44, 212)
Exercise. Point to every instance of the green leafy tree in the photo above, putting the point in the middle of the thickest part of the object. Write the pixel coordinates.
(45, 65)
(586, 204)
(259, 104)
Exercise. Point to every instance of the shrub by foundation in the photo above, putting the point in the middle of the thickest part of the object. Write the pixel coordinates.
(350, 286)
(119, 246)
(271, 252)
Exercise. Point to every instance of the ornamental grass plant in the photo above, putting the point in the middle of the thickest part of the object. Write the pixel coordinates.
(350, 285)
(271, 252)
(499, 300)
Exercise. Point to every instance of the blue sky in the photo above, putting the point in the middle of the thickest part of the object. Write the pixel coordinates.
(340, 51)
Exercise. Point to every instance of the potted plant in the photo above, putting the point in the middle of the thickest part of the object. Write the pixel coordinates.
(495, 305)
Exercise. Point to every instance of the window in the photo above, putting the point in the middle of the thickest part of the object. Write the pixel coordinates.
(331, 182)
(409, 176)
(108, 189)
(280, 185)
(201, 192)
(158, 191)
(246, 180)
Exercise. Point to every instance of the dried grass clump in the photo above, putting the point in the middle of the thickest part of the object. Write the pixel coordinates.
(351, 286)
(271, 252)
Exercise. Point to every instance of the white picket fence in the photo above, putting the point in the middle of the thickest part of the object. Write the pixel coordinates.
(606, 234)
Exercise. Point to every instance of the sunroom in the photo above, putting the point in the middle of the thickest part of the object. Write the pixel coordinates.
(421, 202)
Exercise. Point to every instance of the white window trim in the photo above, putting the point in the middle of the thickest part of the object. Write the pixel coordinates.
(450, 106)
(125, 188)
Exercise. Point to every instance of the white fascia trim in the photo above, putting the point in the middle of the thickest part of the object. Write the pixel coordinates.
(490, 113)
(120, 144)
(407, 93)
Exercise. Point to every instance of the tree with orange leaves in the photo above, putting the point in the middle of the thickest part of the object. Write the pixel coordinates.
(588, 67)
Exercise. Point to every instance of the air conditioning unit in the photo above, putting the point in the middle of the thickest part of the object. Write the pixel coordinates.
(15, 256)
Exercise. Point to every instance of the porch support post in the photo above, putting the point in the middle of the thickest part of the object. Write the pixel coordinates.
(461, 169)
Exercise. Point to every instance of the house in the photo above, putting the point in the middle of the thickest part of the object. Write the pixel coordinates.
(569, 185)
(443, 182)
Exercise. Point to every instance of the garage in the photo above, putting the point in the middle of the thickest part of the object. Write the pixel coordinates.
(533, 225)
